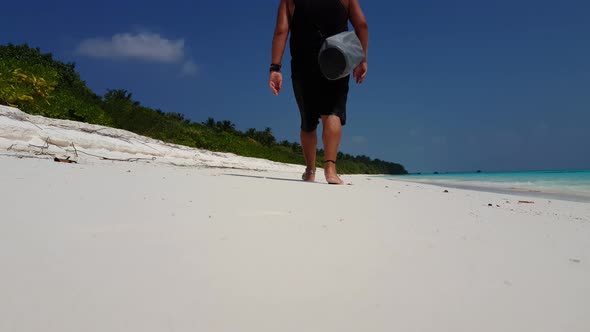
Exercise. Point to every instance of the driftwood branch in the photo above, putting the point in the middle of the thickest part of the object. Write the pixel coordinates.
(67, 160)
(75, 151)
(117, 159)
(44, 147)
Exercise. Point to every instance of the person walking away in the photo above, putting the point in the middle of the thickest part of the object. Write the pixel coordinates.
(309, 22)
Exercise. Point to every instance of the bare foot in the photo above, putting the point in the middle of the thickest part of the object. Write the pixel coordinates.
(308, 175)
(334, 180)
(330, 172)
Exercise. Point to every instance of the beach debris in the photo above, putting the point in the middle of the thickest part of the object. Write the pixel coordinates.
(67, 160)
(446, 191)
(386, 186)
(573, 260)
(526, 202)
(48, 142)
(492, 205)
(497, 205)
(75, 151)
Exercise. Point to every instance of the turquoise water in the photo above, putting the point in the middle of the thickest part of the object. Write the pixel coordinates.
(570, 183)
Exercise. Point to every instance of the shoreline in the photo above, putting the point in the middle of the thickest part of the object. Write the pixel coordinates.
(573, 196)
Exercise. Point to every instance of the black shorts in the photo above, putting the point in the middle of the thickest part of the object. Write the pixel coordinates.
(317, 96)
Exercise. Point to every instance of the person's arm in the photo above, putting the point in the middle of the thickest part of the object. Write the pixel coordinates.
(359, 22)
(279, 42)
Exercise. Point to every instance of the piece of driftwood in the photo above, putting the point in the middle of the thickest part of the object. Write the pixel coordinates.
(75, 151)
(44, 147)
(67, 160)
(526, 202)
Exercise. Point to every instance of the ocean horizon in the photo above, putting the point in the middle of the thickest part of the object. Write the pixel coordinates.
(562, 184)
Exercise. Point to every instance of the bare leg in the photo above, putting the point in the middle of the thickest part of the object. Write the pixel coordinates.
(309, 143)
(331, 135)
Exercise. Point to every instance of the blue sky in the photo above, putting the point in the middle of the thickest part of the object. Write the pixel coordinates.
(454, 85)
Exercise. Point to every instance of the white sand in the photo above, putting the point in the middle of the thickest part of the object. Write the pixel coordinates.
(119, 246)
(23, 133)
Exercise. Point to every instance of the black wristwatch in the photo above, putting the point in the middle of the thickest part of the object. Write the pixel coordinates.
(275, 67)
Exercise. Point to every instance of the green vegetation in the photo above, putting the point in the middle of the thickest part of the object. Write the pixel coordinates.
(38, 84)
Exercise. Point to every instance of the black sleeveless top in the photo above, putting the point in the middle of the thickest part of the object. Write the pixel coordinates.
(312, 21)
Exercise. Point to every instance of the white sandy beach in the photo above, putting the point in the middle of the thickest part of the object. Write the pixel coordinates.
(180, 239)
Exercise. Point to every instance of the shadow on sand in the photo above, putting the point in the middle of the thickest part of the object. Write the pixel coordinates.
(279, 179)
(266, 177)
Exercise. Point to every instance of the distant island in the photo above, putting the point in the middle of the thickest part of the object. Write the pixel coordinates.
(37, 84)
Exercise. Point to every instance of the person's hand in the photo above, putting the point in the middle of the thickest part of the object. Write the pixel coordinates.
(276, 82)
(360, 72)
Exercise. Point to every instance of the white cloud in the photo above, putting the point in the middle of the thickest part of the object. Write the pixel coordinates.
(145, 46)
(189, 68)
